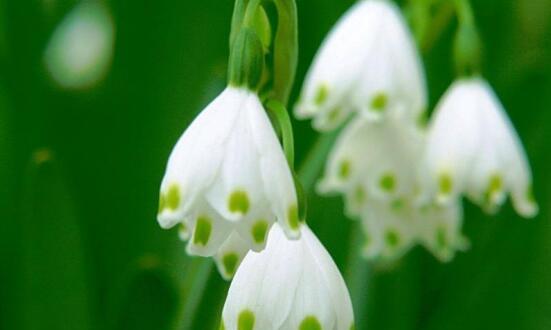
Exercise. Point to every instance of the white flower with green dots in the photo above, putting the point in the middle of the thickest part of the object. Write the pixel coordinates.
(228, 178)
(228, 173)
(368, 63)
(289, 285)
(373, 160)
(473, 149)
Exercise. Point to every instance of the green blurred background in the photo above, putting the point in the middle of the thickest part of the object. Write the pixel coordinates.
(80, 171)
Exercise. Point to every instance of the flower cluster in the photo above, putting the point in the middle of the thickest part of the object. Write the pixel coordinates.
(404, 179)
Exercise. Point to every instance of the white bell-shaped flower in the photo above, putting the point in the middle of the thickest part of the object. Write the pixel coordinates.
(374, 160)
(81, 48)
(473, 149)
(227, 174)
(392, 229)
(289, 285)
(368, 63)
(439, 229)
(389, 228)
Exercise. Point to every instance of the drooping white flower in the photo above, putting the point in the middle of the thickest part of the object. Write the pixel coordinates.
(374, 160)
(80, 51)
(389, 228)
(228, 174)
(439, 229)
(473, 149)
(392, 229)
(368, 63)
(289, 285)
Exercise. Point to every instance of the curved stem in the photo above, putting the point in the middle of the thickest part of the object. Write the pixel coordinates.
(283, 121)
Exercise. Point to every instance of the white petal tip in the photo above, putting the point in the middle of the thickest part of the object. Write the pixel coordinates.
(166, 221)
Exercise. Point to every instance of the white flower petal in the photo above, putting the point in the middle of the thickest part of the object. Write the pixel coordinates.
(230, 254)
(210, 230)
(439, 230)
(292, 283)
(194, 162)
(390, 229)
(452, 143)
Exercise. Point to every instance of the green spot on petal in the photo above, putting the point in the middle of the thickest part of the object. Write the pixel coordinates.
(310, 323)
(172, 197)
(203, 228)
(495, 185)
(397, 204)
(445, 184)
(353, 327)
(162, 203)
(245, 321)
(230, 261)
(259, 230)
(441, 238)
(392, 238)
(388, 182)
(379, 102)
(222, 326)
(334, 114)
(321, 95)
(292, 217)
(344, 169)
(238, 202)
(359, 194)
(422, 119)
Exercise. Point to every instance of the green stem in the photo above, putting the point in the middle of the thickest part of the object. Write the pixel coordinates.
(464, 12)
(250, 13)
(194, 287)
(283, 121)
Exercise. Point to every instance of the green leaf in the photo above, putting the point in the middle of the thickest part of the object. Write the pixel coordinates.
(149, 299)
(54, 282)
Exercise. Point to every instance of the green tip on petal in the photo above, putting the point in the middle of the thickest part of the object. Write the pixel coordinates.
(441, 239)
(230, 261)
(359, 194)
(334, 114)
(353, 327)
(388, 182)
(172, 197)
(397, 204)
(379, 102)
(344, 169)
(238, 202)
(310, 323)
(203, 229)
(259, 230)
(445, 184)
(495, 185)
(222, 326)
(321, 95)
(392, 238)
(245, 321)
(292, 217)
